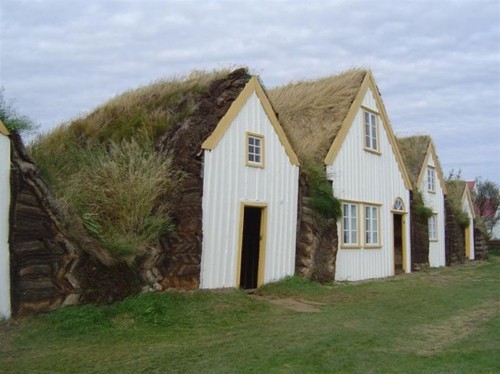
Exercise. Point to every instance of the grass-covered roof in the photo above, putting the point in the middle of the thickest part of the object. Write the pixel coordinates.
(121, 166)
(456, 190)
(312, 112)
(413, 150)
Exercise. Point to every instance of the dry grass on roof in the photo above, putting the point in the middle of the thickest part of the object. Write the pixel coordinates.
(312, 112)
(413, 150)
(455, 190)
(149, 110)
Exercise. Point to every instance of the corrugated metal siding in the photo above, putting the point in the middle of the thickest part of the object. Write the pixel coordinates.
(468, 209)
(4, 226)
(435, 201)
(228, 182)
(364, 176)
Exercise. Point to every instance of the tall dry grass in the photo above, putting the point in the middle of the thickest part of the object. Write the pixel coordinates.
(455, 189)
(123, 194)
(413, 151)
(312, 112)
(104, 164)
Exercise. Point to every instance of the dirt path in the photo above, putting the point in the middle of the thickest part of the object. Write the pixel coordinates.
(297, 305)
(432, 338)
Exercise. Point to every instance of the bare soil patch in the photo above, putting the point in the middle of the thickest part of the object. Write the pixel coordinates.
(432, 338)
(297, 305)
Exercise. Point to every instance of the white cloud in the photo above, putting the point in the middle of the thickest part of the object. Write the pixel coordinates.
(437, 63)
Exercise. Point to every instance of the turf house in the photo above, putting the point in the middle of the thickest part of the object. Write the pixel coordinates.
(460, 223)
(339, 124)
(187, 183)
(4, 221)
(427, 204)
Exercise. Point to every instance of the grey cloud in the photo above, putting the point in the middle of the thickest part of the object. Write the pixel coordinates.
(436, 63)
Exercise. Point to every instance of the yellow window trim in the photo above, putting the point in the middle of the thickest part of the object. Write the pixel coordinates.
(356, 245)
(365, 202)
(379, 243)
(429, 167)
(368, 82)
(262, 150)
(377, 120)
(374, 151)
(431, 152)
(262, 245)
(252, 86)
(435, 214)
(402, 201)
(3, 129)
(360, 244)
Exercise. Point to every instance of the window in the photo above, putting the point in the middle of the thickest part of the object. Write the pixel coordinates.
(370, 122)
(431, 179)
(255, 150)
(399, 205)
(359, 217)
(433, 228)
(350, 224)
(371, 225)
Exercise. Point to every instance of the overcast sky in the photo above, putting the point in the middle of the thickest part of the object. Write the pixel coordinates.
(437, 63)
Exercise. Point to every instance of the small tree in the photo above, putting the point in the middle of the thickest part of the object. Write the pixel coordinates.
(487, 201)
(12, 120)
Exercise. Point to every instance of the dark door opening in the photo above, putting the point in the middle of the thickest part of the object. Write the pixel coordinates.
(249, 271)
(398, 243)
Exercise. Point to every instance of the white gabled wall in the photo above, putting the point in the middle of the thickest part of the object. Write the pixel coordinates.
(364, 176)
(227, 182)
(435, 201)
(4, 226)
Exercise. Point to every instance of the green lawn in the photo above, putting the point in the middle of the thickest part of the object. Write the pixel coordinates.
(441, 320)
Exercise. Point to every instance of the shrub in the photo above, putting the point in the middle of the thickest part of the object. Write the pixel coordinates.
(122, 193)
(320, 192)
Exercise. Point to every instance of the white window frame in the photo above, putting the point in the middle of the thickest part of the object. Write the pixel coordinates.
(433, 228)
(372, 222)
(399, 205)
(254, 146)
(370, 126)
(431, 179)
(350, 224)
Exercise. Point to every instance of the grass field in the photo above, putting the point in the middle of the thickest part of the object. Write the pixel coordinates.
(440, 320)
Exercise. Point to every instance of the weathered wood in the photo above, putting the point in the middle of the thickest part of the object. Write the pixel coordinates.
(316, 246)
(182, 252)
(455, 238)
(480, 245)
(419, 233)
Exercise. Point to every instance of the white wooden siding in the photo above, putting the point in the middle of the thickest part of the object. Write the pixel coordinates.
(435, 201)
(227, 182)
(364, 176)
(468, 209)
(4, 226)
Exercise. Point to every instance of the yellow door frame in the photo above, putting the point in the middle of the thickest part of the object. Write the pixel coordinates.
(262, 241)
(467, 242)
(403, 238)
